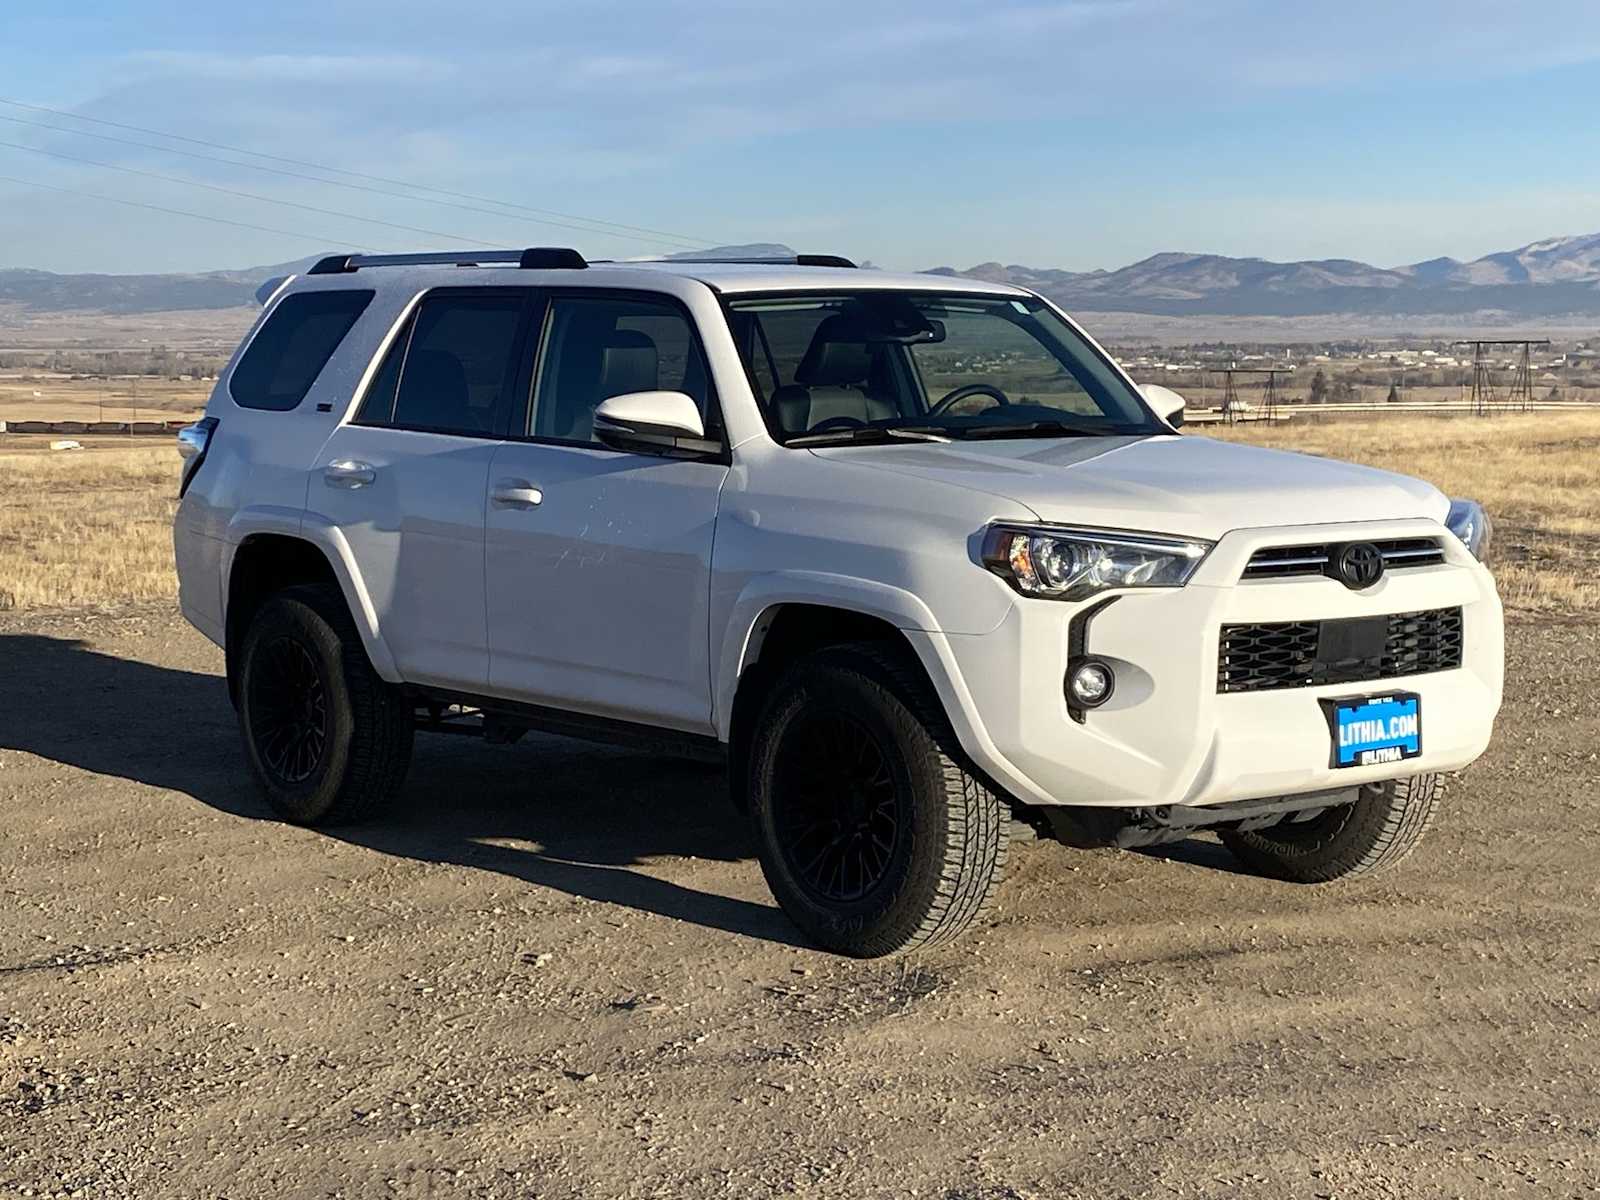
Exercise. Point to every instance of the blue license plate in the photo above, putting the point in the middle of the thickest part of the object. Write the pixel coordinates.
(1371, 730)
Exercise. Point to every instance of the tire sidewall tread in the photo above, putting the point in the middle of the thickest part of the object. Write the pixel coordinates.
(959, 828)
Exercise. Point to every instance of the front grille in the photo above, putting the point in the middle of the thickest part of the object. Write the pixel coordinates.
(1293, 654)
(1276, 562)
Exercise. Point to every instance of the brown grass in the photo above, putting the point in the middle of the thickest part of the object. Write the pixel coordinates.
(93, 527)
(86, 527)
(1538, 474)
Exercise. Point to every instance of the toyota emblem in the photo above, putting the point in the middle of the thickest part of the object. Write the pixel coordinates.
(1358, 565)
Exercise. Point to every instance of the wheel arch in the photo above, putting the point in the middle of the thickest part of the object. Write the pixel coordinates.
(267, 555)
(781, 617)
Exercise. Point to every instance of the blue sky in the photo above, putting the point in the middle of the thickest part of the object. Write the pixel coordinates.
(1071, 134)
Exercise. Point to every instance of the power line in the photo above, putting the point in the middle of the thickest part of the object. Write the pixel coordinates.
(356, 187)
(226, 191)
(296, 162)
(178, 212)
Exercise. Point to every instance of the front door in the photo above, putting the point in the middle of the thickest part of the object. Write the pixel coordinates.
(599, 562)
(406, 481)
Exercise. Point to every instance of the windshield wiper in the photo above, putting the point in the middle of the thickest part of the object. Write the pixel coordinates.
(1027, 429)
(872, 433)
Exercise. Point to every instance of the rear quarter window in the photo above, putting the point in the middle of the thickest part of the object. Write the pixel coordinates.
(287, 354)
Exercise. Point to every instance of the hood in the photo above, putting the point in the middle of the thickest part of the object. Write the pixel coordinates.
(1185, 485)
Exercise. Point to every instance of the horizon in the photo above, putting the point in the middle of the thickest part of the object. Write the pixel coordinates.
(955, 138)
(955, 265)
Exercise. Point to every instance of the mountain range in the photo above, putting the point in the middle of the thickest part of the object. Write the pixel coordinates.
(1555, 276)
(1558, 276)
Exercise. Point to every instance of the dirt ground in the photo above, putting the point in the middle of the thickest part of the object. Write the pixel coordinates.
(556, 972)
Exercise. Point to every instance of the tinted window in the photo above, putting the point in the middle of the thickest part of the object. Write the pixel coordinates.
(286, 356)
(453, 369)
(377, 406)
(605, 346)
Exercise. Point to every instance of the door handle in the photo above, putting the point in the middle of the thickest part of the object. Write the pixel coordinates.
(516, 493)
(348, 473)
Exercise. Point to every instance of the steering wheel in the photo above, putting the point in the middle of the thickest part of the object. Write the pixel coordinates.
(837, 423)
(971, 389)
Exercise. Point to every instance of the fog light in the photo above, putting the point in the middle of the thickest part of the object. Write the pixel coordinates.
(1090, 683)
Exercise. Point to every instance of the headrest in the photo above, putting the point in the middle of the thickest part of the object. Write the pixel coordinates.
(628, 363)
(837, 357)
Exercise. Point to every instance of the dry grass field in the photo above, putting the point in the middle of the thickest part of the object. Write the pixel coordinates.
(86, 527)
(93, 527)
(37, 396)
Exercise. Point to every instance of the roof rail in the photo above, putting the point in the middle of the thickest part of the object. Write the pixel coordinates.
(798, 260)
(533, 258)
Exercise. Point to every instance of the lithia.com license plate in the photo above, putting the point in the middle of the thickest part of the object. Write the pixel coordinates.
(1370, 730)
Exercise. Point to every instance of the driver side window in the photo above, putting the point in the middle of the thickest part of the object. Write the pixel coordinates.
(603, 346)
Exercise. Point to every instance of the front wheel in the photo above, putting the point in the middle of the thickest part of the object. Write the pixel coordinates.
(872, 838)
(1381, 828)
(328, 740)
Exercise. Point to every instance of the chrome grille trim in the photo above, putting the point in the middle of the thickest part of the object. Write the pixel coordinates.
(1399, 554)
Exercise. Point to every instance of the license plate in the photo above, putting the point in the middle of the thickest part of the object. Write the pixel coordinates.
(1370, 730)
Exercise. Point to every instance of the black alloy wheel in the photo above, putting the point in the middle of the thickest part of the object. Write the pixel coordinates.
(836, 807)
(288, 710)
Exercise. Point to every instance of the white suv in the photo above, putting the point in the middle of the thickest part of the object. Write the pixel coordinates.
(911, 554)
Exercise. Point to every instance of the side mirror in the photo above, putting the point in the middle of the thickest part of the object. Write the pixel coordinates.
(665, 423)
(1167, 403)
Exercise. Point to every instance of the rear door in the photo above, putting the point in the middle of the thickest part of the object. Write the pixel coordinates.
(405, 481)
(599, 562)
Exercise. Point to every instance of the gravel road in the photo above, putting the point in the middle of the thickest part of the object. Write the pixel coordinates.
(556, 972)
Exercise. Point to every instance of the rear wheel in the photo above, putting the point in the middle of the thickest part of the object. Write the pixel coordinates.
(1380, 829)
(328, 740)
(872, 837)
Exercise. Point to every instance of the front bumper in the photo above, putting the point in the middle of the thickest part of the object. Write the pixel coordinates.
(1167, 736)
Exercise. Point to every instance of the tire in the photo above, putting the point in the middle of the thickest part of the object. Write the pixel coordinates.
(327, 739)
(872, 836)
(1371, 835)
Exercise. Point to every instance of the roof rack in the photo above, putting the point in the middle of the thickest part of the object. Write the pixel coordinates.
(534, 258)
(798, 260)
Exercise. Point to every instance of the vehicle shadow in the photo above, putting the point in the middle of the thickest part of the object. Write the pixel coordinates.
(593, 814)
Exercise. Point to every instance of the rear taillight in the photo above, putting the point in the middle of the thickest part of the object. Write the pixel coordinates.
(193, 442)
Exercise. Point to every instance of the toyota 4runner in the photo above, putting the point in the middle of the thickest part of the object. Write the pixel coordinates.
(911, 554)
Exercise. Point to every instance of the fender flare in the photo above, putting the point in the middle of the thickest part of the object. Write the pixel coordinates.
(763, 595)
(330, 540)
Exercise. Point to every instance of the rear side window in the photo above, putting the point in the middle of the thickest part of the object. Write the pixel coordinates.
(453, 368)
(285, 357)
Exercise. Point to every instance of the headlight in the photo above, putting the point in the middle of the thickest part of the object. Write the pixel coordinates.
(1471, 524)
(1070, 564)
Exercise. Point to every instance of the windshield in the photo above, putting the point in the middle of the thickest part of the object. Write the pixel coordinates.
(882, 366)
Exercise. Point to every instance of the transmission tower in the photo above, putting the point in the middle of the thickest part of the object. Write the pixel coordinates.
(1485, 401)
(1269, 396)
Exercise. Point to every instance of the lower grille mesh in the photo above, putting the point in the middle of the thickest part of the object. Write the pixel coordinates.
(1291, 654)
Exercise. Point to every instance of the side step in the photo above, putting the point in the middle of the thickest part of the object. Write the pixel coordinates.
(503, 722)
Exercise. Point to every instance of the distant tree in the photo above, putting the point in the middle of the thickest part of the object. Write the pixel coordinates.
(1319, 388)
